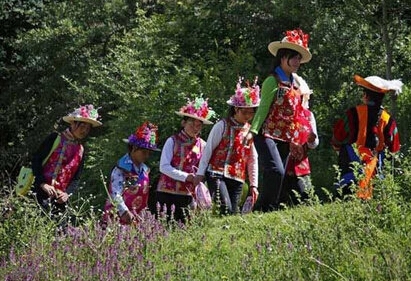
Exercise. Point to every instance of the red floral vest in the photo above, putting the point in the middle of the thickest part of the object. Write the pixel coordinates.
(186, 156)
(135, 190)
(72, 156)
(230, 156)
(285, 120)
(300, 167)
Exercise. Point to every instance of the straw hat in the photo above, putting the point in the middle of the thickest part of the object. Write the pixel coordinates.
(197, 109)
(86, 113)
(295, 40)
(379, 85)
(145, 136)
(246, 96)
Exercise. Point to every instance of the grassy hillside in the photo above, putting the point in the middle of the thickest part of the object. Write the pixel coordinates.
(342, 240)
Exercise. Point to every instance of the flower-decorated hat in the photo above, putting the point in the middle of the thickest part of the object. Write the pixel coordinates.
(145, 136)
(197, 109)
(86, 113)
(246, 96)
(379, 85)
(295, 40)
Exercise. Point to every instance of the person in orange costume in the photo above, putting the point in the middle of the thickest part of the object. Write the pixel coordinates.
(364, 133)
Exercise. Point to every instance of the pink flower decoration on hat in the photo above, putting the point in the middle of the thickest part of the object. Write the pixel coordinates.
(198, 107)
(297, 36)
(246, 96)
(86, 111)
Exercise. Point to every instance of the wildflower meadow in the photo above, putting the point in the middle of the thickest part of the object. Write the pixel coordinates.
(330, 239)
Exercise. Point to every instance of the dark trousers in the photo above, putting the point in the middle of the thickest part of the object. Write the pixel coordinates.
(181, 205)
(48, 204)
(295, 189)
(272, 155)
(56, 211)
(225, 192)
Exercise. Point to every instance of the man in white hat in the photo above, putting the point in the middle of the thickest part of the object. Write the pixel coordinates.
(368, 128)
(58, 162)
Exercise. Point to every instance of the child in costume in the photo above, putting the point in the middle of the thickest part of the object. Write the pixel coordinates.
(298, 168)
(130, 181)
(228, 156)
(364, 133)
(180, 158)
(58, 177)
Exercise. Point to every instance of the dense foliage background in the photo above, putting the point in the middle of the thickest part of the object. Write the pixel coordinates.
(140, 60)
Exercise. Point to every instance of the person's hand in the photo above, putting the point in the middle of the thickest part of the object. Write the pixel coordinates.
(198, 179)
(127, 217)
(254, 193)
(190, 178)
(311, 137)
(296, 151)
(62, 197)
(49, 190)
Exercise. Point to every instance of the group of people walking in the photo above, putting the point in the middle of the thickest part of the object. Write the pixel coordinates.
(271, 130)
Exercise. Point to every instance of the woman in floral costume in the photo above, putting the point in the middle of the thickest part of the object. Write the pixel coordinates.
(57, 178)
(129, 181)
(180, 157)
(279, 124)
(228, 157)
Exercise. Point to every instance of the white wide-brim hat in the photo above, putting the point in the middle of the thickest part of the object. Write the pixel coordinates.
(85, 113)
(70, 119)
(378, 84)
(205, 121)
(273, 47)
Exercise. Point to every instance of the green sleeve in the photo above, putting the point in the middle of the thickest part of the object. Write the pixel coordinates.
(268, 91)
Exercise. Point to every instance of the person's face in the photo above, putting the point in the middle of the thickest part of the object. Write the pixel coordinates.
(192, 127)
(291, 64)
(244, 115)
(80, 130)
(139, 155)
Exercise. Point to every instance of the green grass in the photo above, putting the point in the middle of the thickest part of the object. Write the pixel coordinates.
(341, 240)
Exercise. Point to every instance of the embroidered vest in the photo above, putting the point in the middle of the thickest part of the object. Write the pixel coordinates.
(186, 155)
(136, 186)
(367, 153)
(72, 156)
(285, 120)
(230, 156)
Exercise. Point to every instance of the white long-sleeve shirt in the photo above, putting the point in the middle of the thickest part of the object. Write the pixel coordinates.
(312, 145)
(214, 138)
(117, 185)
(165, 162)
